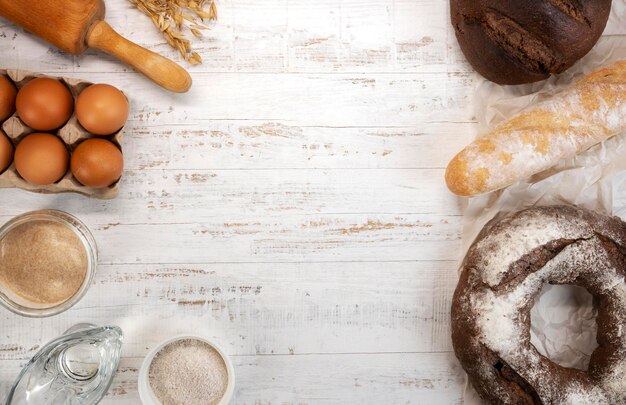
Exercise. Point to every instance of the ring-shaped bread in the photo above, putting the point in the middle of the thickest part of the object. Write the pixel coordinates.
(502, 274)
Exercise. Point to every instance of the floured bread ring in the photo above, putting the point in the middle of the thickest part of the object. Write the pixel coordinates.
(502, 274)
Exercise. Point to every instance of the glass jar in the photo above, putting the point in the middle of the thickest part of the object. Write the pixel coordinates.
(22, 306)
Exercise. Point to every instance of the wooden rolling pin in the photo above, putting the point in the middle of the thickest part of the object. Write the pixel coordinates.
(75, 25)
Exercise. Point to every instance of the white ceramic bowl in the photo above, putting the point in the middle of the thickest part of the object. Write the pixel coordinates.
(145, 391)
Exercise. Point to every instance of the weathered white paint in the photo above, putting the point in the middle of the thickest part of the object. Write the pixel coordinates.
(291, 206)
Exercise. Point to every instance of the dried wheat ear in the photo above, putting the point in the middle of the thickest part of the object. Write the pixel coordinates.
(172, 17)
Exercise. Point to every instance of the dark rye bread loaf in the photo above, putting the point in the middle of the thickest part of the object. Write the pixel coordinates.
(524, 41)
(502, 274)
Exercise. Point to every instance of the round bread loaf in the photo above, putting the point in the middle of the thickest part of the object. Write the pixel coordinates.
(503, 273)
(514, 42)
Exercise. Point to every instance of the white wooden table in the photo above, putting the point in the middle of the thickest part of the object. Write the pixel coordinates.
(291, 206)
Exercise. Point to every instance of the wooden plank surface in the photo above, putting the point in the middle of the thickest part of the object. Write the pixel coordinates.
(291, 206)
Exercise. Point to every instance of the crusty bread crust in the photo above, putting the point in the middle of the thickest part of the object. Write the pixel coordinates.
(514, 42)
(502, 274)
(589, 112)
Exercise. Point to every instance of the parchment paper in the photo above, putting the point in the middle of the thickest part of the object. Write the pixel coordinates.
(563, 318)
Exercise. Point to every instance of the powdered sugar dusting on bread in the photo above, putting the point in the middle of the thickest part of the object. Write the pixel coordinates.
(590, 397)
(498, 321)
(498, 316)
(524, 233)
(499, 308)
(614, 380)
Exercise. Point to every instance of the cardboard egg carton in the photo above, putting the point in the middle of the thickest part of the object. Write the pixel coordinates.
(72, 133)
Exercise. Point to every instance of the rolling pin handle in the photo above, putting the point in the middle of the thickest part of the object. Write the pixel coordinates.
(157, 68)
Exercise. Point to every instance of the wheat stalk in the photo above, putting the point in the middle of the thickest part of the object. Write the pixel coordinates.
(172, 17)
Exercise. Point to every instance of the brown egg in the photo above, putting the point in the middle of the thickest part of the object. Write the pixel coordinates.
(41, 159)
(6, 152)
(97, 163)
(102, 109)
(7, 97)
(44, 104)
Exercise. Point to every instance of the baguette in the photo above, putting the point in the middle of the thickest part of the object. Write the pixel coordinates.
(587, 113)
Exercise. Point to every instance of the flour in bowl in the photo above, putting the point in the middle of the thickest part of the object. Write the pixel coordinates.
(188, 372)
